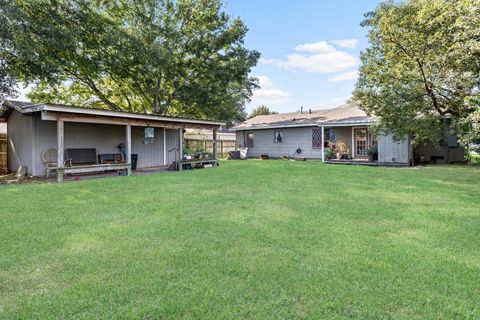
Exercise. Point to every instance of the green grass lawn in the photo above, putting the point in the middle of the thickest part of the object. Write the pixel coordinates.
(251, 239)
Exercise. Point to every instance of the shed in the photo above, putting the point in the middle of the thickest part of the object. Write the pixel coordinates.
(35, 127)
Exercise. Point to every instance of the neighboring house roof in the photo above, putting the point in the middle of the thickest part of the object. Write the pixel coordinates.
(344, 115)
(29, 107)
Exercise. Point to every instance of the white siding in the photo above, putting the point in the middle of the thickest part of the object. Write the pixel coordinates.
(172, 145)
(149, 155)
(20, 142)
(293, 138)
(344, 134)
(391, 151)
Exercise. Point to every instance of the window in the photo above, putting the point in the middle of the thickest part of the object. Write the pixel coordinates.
(329, 135)
(249, 140)
(317, 138)
(278, 136)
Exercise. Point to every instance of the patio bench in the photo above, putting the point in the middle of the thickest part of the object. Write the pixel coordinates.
(92, 168)
(84, 160)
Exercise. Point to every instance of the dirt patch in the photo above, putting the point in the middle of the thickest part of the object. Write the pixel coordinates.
(12, 178)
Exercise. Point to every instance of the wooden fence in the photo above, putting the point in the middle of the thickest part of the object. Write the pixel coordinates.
(3, 153)
(223, 146)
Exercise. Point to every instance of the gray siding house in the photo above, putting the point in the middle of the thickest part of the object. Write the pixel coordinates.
(33, 128)
(314, 135)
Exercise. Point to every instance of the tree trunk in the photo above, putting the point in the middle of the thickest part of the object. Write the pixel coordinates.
(156, 98)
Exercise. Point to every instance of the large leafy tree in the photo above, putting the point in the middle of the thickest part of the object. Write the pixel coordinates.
(8, 85)
(422, 67)
(183, 57)
(261, 111)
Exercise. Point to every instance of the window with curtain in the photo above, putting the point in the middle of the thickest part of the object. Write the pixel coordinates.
(249, 140)
(278, 136)
(329, 136)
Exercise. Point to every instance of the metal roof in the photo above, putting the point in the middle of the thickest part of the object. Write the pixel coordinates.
(341, 116)
(28, 107)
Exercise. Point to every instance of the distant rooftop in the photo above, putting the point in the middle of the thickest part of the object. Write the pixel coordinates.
(335, 116)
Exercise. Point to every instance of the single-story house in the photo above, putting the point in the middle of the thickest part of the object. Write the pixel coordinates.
(311, 135)
(33, 128)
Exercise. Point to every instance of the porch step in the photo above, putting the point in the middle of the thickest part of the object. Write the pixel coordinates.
(366, 163)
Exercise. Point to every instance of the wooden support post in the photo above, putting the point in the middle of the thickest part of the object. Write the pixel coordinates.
(128, 141)
(60, 152)
(164, 146)
(180, 148)
(323, 144)
(221, 148)
(214, 144)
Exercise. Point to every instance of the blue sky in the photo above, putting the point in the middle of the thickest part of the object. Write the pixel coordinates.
(310, 49)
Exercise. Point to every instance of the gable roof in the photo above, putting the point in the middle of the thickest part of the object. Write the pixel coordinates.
(343, 115)
(29, 107)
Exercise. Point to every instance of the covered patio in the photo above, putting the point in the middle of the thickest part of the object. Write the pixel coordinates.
(359, 145)
(81, 141)
(347, 143)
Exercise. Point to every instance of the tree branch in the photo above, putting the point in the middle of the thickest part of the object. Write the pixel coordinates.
(428, 88)
(91, 84)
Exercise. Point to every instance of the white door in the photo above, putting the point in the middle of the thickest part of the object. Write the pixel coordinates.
(361, 142)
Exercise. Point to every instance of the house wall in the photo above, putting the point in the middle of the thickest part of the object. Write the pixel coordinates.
(344, 134)
(20, 142)
(172, 145)
(293, 138)
(391, 151)
(149, 155)
(449, 154)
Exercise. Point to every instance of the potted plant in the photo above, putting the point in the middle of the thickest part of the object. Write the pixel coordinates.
(372, 153)
(328, 153)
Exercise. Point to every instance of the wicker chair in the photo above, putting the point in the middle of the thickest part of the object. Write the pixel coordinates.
(341, 149)
(49, 159)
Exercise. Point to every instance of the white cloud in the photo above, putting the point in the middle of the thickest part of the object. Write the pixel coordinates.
(346, 43)
(321, 46)
(268, 61)
(350, 75)
(269, 94)
(318, 57)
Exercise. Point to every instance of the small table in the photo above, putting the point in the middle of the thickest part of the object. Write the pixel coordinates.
(213, 162)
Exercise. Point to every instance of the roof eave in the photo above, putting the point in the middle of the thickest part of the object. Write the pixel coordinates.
(324, 124)
(274, 127)
(45, 107)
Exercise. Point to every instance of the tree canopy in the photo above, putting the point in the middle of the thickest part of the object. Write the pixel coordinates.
(8, 85)
(173, 57)
(422, 66)
(261, 111)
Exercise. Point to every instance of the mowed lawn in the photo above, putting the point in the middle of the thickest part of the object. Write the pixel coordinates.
(251, 239)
